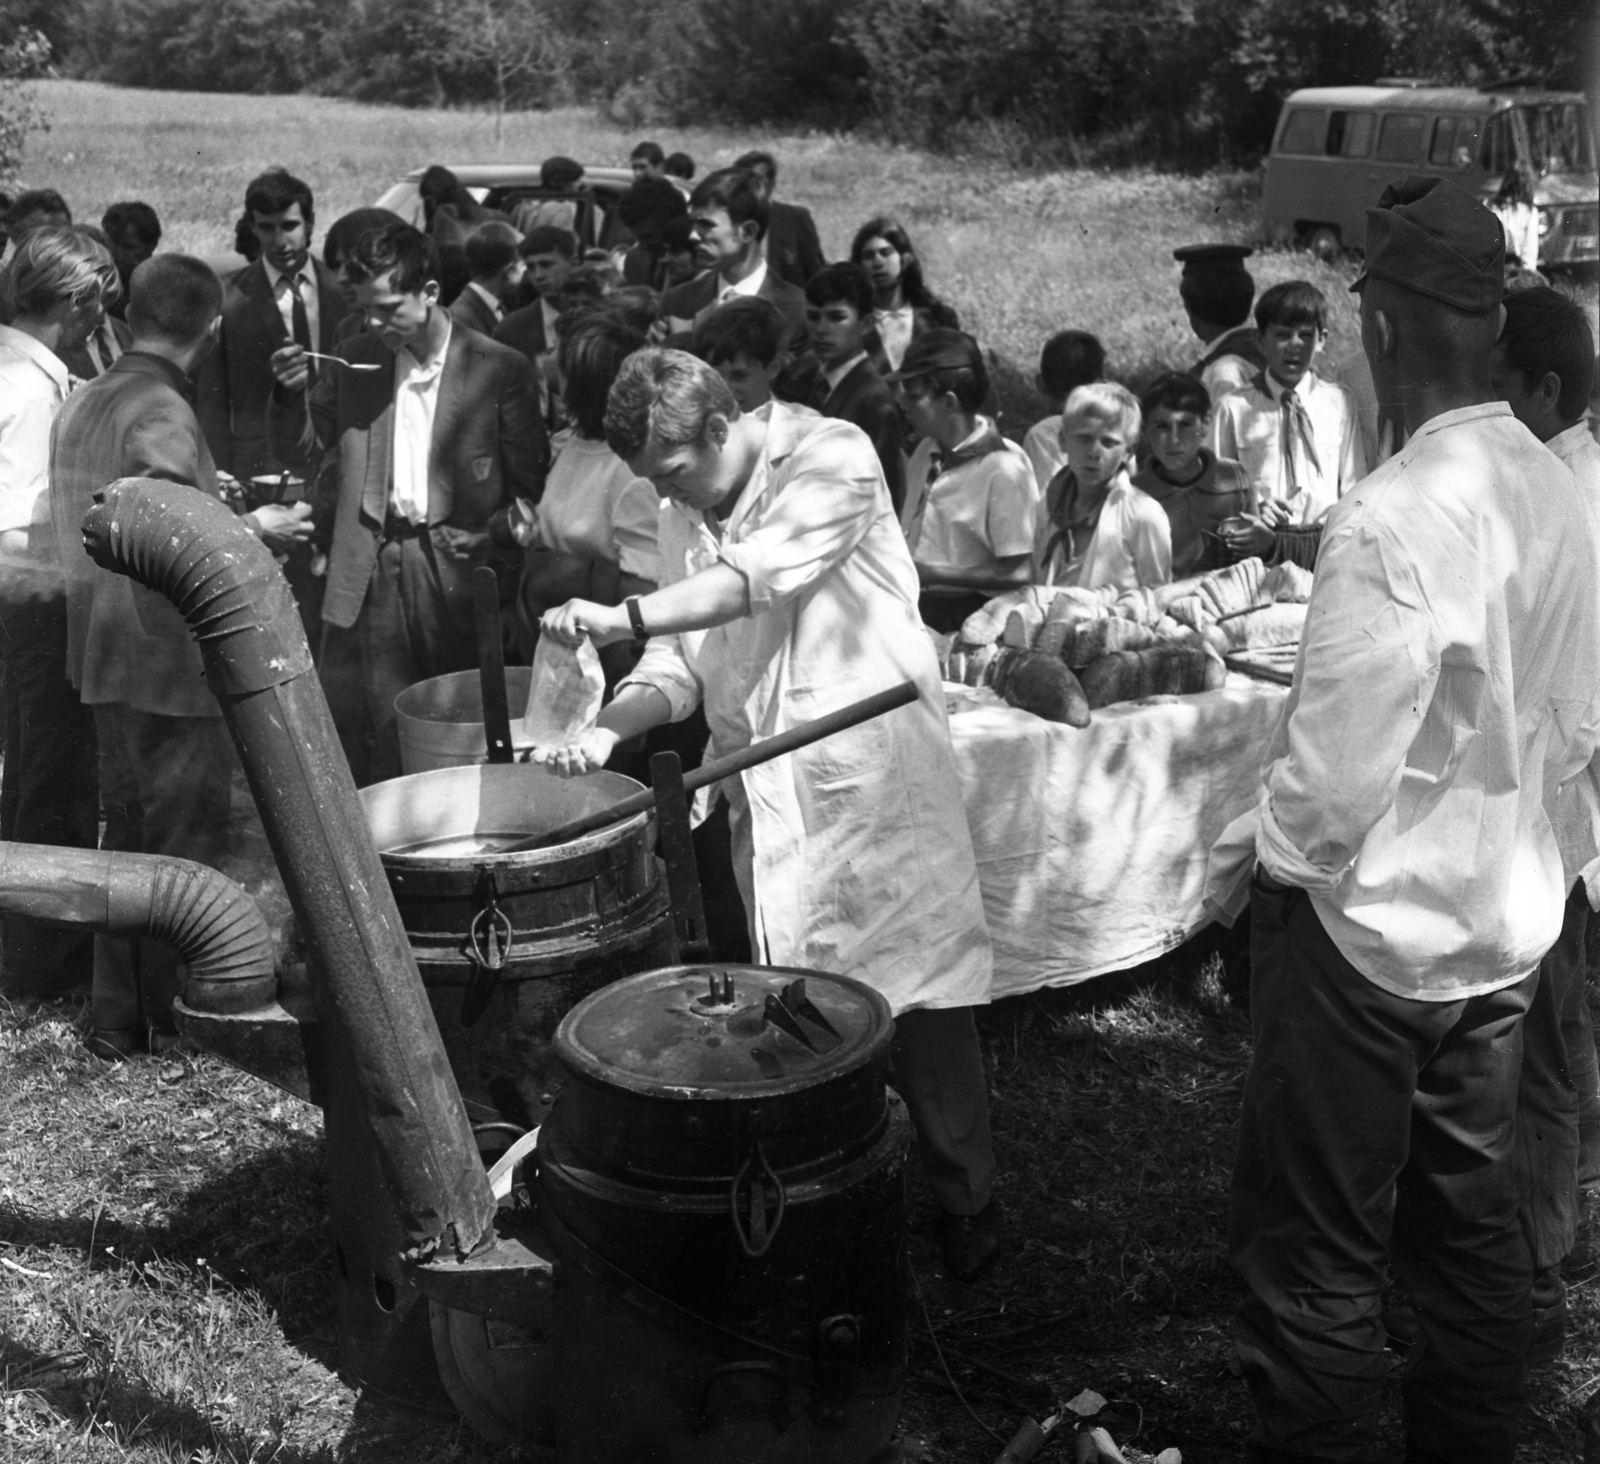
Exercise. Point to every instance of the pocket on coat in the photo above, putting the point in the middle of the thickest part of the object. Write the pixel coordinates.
(846, 756)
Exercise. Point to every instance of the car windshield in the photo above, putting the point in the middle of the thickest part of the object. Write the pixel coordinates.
(1558, 133)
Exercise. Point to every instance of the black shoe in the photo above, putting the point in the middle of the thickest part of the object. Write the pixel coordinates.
(970, 1242)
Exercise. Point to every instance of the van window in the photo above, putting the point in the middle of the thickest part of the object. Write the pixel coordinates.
(1559, 135)
(1400, 137)
(1349, 134)
(1466, 147)
(1304, 131)
(1444, 142)
(1499, 147)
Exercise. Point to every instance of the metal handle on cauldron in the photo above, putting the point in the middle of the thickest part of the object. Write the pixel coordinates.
(490, 936)
(714, 772)
(757, 1240)
(491, 664)
(780, 1412)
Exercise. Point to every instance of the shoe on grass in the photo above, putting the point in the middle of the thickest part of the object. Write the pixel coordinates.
(970, 1242)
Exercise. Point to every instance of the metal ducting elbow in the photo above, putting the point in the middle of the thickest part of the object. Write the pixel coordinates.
(190, 548)
(203, 915)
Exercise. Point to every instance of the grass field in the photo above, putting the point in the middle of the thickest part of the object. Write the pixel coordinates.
(164, 1253)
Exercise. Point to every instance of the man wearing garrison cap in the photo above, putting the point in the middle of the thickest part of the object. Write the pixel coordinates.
(1404, 880)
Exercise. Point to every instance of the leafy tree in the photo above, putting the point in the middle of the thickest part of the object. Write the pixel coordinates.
(24, 54)
(508, 48)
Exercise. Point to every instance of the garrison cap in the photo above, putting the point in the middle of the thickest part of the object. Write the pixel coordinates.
(1431, 237)
(1212, 258)
(938, 350)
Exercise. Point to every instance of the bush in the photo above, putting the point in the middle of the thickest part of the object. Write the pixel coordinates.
(26, 54)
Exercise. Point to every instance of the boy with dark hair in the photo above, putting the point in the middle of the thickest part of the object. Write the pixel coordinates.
(134, 231)
(494, 255)
(432, 445)
(794, 250)
(646, 209)
(1070, 359)
(548, 255)
(1543, 367)
(839, 314)
(1295, 435)
(678, 247)
(742, 342)
(730, 210)
(1197, 489)
(646, 160)
(679, 165)
(36, 208)
(1216, 290)
(971, 499)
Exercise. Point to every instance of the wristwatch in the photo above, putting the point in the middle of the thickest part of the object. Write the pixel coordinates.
(635, 619)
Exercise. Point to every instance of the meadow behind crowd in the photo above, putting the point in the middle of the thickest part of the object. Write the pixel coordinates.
(164, 1250)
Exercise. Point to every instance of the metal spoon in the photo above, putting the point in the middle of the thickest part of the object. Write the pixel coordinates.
(353, 365)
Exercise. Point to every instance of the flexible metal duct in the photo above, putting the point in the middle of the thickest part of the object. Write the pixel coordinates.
(204, 916)
(194, 551)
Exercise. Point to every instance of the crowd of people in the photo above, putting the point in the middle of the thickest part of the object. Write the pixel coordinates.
(754, 479)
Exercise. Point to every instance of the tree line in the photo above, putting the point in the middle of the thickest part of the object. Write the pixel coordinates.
(1192, 82)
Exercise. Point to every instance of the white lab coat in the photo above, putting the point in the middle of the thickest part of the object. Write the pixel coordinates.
(853, 854)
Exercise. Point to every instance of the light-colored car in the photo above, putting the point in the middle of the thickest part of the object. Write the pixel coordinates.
(505, 185)
(1337, 147)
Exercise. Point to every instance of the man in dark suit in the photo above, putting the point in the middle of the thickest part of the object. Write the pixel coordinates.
(165, 758)
(730, 210)
(432, 445)
(839, 304)
(794, 251)
(494, 256)
(548, 255)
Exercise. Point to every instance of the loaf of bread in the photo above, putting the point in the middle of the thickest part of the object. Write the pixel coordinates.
(1234, 588)
(1097, 638)
(1022, 627)
(1166, 670)
(1192, 610)
(1286, 584)
(1041, 684)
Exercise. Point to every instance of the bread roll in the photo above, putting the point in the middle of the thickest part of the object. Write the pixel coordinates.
(1101, 637)
(1166, 670)
(1041, 684)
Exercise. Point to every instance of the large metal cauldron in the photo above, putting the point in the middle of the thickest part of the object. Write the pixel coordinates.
(723, 1185)
(508, 943)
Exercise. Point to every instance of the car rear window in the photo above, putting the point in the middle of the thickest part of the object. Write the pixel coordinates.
(1400, 137)
(1358, 134)
(1304, 131)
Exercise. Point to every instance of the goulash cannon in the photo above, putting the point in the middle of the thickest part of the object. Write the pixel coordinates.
(708, 1265)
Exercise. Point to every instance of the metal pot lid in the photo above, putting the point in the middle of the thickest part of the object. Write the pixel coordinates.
(724, 1032)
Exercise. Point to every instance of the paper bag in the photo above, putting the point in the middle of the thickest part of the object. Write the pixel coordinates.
(565, 693)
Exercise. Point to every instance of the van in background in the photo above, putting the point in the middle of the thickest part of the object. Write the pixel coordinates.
(1337, 147)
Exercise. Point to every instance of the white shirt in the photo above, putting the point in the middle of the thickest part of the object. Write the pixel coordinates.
(416, 399)
(103, 346)
(1131, 546)
(852, 855)
(838, 374)
(977, 510)
(33, 387)
(1228, 372)
(593, 506)
(1577, 448)
(750, 285)
(1043, 447)
(894, 331)
(1448, 683)
(283, 294)
(489, 298)
(1245, 426)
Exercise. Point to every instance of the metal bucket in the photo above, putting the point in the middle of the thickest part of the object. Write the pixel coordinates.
(508, 943)
(440, 721)
(723, 1187)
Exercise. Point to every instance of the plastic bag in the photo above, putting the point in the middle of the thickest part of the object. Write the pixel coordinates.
(565, 693)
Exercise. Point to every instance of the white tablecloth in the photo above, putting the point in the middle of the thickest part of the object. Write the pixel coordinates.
(1092, 843)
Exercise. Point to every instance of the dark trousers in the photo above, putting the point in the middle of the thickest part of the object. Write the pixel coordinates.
(165, 783)
(945, 612)
(938, 1067)
(407, 632)
(49, 793)
(1376, 1128)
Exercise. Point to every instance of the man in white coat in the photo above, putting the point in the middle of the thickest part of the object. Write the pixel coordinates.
(787, 591)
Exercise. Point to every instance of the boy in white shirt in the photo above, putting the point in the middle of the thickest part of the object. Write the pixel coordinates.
(970, 494)
(1296, 435)
(1094, 527)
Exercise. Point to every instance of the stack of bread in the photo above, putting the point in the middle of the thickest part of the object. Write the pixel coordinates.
(1061, 652)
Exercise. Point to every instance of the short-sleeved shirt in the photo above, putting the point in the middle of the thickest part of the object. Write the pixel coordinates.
(33, 386)
(971, 508)
(594, 507)
(1125, 542)
(1196, 509)
(1044, 449)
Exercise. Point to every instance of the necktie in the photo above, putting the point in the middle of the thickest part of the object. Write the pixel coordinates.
(1295, 424)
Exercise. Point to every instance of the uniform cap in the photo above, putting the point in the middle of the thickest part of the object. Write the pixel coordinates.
(938, 350)
(1212, 258)
(1431, 237)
